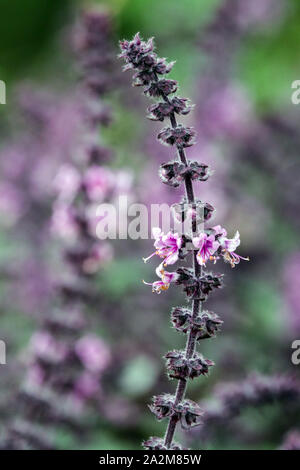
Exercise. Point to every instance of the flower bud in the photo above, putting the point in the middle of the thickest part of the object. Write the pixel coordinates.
(180, 317)
(158, 112)
(161, 87)
(197, 211)
(162, 406)
(143, 77)
(209, 282)
(170, 173)
(181, 367)
(207, 325)
(136, 52)
(198, 287)
(156, 443)
(197, 171)
(162, 66)
(180, 136)
(181, 105)
(187, 412)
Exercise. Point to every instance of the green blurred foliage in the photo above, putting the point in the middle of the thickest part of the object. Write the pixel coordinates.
(28, 28)
(139, 376)
(269, 63)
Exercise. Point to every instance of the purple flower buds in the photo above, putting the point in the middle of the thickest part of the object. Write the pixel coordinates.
(205, 325)
(197, 171)
(173, 173)
(162, 67)
(156, 443)
(180, 317)
(158, 112)
(198, 287)
(189, 414)
(197, 211)
(181, 105)
(210, 281)
(170, 173)
(163, 406)
(161, 87)
(187, 411)
(92, 46)
(137, 52)
(180, 136)
(181, 367)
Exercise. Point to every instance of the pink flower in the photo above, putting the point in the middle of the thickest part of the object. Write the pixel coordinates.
(63, 223)
(93, 353)
(86, 386)
(67, 182)
(97, 182)
(219, 231)
(167, 246)
(207, 246)
(166, 279)
(229, 245)
(44, 345)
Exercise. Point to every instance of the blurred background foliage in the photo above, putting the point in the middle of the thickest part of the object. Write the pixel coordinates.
(258, 305)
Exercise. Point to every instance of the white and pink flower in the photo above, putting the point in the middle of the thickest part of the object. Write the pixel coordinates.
(219, 231)
(98, 181)
(63, 222)
(166, 277)
(93, 353)
(167, 246)
(207, 246)
(67, 182)
(229, 245)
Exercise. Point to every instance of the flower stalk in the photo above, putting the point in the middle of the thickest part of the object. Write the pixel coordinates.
(207, 245)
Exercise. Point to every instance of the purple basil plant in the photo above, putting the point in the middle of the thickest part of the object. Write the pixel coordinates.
(230, 400)
(204, 245)
(65, 361)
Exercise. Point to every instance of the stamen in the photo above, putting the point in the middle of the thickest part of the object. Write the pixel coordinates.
(146, 259)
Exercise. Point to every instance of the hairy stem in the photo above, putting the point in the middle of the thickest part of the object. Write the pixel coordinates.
(212, 243)
(197, 305)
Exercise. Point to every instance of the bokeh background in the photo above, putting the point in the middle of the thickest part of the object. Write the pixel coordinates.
(236, 60)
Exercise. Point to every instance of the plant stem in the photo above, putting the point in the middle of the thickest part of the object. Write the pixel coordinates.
(197, 304)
